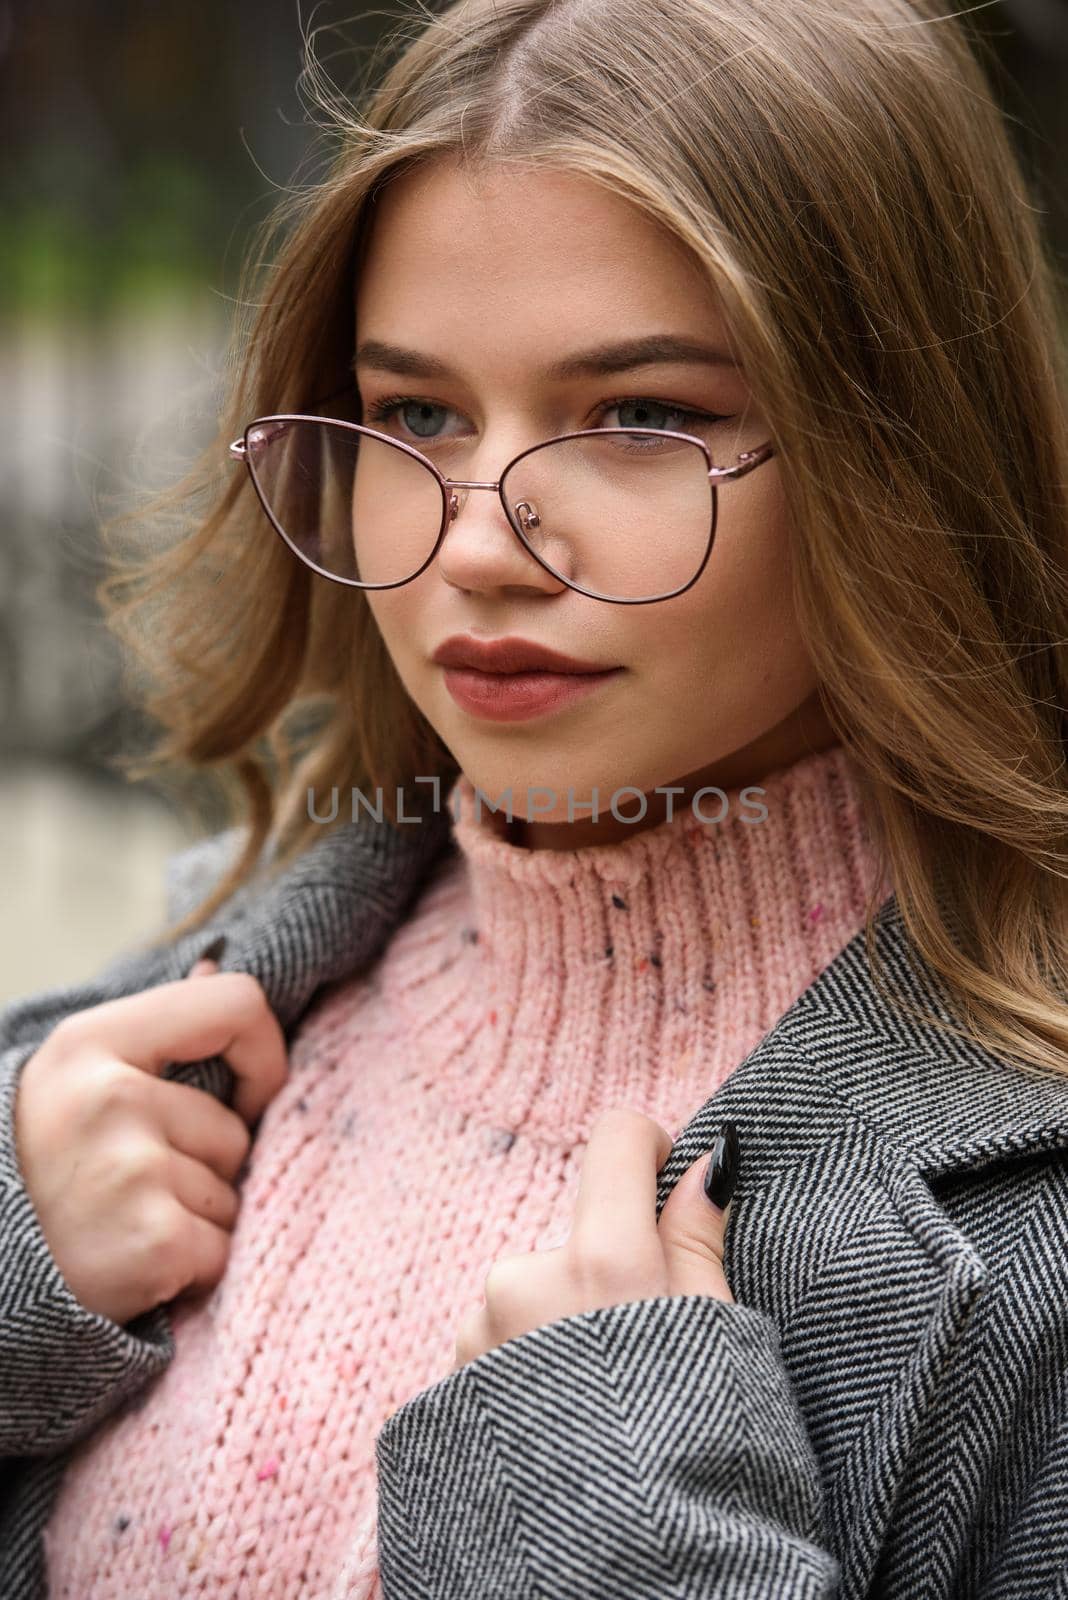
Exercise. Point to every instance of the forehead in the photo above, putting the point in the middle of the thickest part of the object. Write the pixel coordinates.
(449, 250)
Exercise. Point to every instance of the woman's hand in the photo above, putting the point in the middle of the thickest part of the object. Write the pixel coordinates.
(133, 1176)
(617, 1250)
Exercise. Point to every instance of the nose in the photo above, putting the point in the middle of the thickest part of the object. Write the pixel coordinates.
(481, 550)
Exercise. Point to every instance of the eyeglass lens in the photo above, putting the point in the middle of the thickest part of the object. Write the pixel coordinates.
(624, 515)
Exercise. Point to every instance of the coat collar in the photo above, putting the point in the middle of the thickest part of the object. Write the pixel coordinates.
(845, 1057)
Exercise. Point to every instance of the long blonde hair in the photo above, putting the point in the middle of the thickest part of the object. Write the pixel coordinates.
(844, 176)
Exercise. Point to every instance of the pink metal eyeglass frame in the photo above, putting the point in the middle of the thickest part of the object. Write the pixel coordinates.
(746, 462)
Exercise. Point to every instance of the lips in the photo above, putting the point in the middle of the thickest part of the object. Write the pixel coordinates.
(511, 655)
(519, 696)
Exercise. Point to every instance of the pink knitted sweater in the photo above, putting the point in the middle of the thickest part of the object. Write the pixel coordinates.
(433, 1121)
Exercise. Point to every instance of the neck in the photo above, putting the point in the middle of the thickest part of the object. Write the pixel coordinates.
(805, 732)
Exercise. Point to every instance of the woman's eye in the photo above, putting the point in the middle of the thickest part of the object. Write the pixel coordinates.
(638, 413)
(423, 419)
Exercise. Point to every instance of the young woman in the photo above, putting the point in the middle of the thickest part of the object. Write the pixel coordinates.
(660, 417)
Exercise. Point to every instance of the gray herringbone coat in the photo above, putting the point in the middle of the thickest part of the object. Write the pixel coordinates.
(884, 1412)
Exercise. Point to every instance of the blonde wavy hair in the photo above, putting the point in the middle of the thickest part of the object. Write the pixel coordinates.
(845, 177)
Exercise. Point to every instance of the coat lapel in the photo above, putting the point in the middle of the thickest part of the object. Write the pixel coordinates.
(326, 916)
(851, 1118)
(323, 918)
(844, 1056)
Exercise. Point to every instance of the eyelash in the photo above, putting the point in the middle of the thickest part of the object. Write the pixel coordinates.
(381, 410)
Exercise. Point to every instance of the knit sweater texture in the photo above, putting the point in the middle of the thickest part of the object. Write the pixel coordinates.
(433, 1120)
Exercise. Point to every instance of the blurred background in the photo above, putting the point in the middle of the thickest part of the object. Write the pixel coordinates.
(140, 144)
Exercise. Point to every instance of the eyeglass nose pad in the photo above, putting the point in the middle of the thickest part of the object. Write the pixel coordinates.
(525, 511)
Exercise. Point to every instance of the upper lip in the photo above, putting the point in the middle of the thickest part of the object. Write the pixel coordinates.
(508, 655)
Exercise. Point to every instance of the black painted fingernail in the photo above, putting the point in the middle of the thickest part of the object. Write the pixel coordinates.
(721, 1174)
(215, 949)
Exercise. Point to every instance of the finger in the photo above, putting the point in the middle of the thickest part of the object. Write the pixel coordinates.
(692, 1233)
(615, 1210)
(203, 1192)
(521, 1292)
(196, 1123)
(207, 1248)
(185, 1021)
(201, 968)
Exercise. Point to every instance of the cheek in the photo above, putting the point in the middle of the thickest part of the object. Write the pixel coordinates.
(735, 633)
(395, 613)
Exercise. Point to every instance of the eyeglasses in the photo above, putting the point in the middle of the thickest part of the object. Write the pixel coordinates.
(624, 515)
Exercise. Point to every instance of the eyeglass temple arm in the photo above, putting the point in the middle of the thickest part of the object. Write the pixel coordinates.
(237, 448)
(745, 463)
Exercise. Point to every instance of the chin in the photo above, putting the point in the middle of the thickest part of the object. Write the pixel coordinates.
(492, 780)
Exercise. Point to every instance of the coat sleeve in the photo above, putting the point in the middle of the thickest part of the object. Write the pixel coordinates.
(63, 1367)
(645, 1449)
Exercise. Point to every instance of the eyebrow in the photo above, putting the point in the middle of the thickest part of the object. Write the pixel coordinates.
(600, 362)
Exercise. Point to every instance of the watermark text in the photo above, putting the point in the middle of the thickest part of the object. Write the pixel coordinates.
(708, 804)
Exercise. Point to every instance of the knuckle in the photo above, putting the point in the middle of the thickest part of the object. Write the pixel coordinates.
(248, 992)
(70, 1034)
(165, 1243)
(594, 1265)
(502, 1280)
(116, 1088)
(701, 1250)
(141, 1160)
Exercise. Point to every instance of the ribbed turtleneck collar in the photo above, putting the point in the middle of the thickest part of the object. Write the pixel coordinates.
(641, 972)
